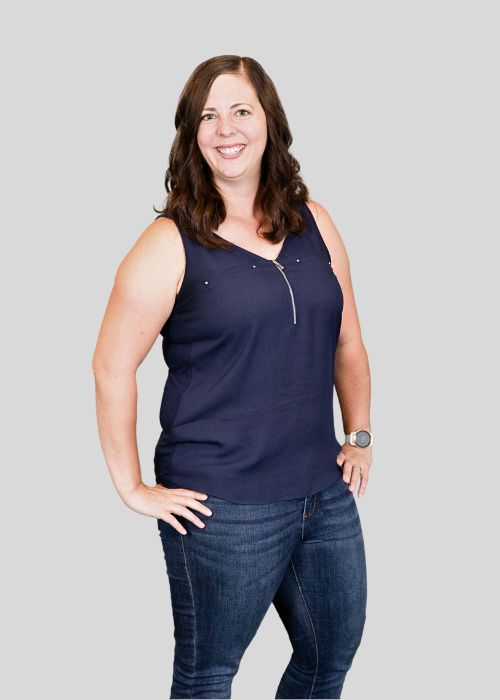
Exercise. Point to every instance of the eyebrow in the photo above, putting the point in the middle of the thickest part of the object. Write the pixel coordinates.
(237, 104)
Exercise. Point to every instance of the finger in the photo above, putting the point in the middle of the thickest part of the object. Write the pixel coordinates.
(179, 509)
(193, 503)
(340, 458)
(191, 494)
(364, 481)
(356, 471)
(347, 470)
(175, 523)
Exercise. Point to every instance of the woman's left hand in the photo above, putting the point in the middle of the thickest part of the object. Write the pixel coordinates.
(355, 463)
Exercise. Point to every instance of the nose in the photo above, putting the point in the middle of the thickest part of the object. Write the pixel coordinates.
(225, 127)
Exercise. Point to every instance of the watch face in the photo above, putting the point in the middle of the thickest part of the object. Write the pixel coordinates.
(363, 438)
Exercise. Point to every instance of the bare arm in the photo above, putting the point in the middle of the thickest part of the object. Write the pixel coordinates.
(140, 302)
(352, 372)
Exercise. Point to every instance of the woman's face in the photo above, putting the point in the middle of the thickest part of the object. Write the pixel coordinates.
(232, 116)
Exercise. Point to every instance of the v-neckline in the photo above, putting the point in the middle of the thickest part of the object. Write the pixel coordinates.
(256, 255)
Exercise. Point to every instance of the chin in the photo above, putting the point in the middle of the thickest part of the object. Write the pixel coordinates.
(232, 175)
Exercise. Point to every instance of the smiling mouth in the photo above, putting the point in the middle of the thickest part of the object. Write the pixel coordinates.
(232, 151)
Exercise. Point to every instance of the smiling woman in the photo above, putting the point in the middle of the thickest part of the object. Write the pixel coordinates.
(232, 139)
(228, 151)
(237, 276)
(241, 130)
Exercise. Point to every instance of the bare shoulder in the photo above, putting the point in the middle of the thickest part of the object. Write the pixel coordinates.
(156, 260)
(350, 328)
(142, 297)
(330, 235)
(161, 239)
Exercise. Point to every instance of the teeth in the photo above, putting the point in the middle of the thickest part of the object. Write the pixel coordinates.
(229, 151)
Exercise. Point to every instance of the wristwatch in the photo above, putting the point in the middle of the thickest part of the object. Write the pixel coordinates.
(360, 438)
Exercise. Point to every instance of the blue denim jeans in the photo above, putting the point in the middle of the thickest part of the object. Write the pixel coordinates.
(305, 555)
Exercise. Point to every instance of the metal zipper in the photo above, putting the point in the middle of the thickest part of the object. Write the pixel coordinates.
(280, 268)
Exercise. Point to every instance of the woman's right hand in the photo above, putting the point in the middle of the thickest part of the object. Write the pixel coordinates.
(160, 502)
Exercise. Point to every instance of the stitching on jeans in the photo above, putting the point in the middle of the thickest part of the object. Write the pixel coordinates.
(194, 610)
(312, 626)
(314, 504)
(308, 515)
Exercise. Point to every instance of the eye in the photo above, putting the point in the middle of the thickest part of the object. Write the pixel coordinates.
(203, 118)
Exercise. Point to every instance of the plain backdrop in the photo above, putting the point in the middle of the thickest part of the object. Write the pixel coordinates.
(394, 111)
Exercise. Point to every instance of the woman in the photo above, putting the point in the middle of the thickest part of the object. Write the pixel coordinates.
(248, 282)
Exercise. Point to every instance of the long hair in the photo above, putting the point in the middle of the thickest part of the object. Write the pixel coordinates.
(193, 201)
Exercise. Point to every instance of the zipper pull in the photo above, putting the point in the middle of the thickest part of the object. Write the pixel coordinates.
(278, 264)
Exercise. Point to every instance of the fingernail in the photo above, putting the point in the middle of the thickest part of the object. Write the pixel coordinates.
(184, 532)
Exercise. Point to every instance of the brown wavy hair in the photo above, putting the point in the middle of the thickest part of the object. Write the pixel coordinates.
(193, 201)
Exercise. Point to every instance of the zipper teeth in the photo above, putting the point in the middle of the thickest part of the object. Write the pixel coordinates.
(280, 268)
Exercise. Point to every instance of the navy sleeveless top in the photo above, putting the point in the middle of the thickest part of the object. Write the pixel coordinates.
(247, 408)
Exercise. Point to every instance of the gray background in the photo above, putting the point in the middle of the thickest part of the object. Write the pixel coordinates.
(394, 111)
